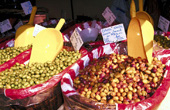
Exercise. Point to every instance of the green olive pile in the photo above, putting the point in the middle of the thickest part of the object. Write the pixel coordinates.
(22, 76)
(162, 41)
(11, 52)
(119, 79)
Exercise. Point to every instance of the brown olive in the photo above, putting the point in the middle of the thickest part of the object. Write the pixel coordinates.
(111, 78)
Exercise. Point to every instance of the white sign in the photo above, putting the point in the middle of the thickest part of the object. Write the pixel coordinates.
(44, 24)
(18, 25)
(163, 24)
(5, 26)
(53, 21)
(76, 40)
(113, 34)
(109, 16)
(27, 7)
(37, 29)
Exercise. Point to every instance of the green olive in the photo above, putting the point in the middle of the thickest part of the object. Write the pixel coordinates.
(22, 76)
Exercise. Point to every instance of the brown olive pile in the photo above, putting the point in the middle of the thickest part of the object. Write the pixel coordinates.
(119, 79)
(11, 52)
(22, 76)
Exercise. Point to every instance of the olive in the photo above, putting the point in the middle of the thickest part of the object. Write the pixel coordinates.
(22, 76)
(11, 52)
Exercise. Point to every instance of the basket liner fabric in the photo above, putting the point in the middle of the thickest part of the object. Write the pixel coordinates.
(73, 99)
(26, 96)
(21, 58)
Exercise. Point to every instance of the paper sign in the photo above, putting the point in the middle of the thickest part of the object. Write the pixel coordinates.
(18, 25)
(44, 24)
(109, 16)
(163, 24)
(5, 26)
(27, 7)
(76, 40)
(113, 34)
(53, 21)
(37, 29)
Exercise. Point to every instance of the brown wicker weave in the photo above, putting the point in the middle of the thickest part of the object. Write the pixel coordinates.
(51, 103)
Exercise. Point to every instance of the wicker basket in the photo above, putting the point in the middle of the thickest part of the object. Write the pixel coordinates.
(51, 103)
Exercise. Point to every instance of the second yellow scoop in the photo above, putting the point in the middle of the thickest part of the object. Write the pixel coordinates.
(142, 14)
(23, 36)
(140, 35)
(47, 44)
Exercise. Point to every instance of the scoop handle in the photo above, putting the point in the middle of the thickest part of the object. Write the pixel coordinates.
(132, 9)
(140, 5)
(60, 24)
(31, 20)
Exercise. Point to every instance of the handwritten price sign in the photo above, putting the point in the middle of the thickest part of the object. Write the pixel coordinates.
(5, 26)
(113, 34)
(18, 25)
(109, 16)
(37, 29)
(163, 24)
(76, 40)
(27, 7)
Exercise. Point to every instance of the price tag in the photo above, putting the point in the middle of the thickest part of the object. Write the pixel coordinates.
(44, 24)
(109, 16)
(113, 34)
(5, 26)
(27, 7)
(76, 40)
(163, 24)
(37, 29)
(18, 25)
(53, 21)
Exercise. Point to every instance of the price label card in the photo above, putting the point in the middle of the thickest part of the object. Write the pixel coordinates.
(18, 25)
(37, 29)
(27, 7)
(44, 24)
(163, 24)
(109, 16)
(113, 34)
(5, 26)
(53, 21)
(76, 40)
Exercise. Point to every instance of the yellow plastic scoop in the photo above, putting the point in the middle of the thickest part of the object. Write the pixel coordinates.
(140, 35)
(47, 44)
(148, 36)
(142, 14)
(23, 36)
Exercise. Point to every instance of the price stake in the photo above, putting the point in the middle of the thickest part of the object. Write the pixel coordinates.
(27, 7)
(163, 24)
(114, 33)
(18, 25)
(76, 40)
(37, 29)
(5, 26)
(109, 16)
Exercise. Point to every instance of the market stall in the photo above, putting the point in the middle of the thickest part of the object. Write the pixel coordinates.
(61, 64)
